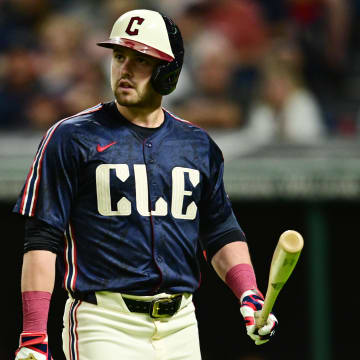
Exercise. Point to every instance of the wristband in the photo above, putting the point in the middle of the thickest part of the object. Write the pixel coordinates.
(240, 278)
(35, 310)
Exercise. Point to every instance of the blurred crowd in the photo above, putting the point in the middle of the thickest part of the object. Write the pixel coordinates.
(280, 69)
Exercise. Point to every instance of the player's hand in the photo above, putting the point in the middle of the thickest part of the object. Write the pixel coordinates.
(252, 301)
(33, 346)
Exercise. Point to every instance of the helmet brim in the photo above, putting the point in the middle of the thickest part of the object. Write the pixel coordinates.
(138, 46)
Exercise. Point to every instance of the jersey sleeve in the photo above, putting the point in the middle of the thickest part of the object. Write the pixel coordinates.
(218, 224)
(52, 181)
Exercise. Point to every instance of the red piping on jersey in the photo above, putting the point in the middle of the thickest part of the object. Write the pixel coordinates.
(37, 180)
(73, 281)
(66, 262)
(26, 186)
(39, 158)
(183, 120)
(187, 122)
(70, 260)
(31, 172)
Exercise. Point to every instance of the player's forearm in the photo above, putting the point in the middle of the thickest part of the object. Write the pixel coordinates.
(37, 284)
(230, 255)
(38, 271)
(232, 263)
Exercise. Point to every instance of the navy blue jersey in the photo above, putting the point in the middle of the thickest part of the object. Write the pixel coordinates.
(132, 210)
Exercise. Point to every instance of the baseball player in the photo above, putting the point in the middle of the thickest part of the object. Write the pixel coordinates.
(121, 196)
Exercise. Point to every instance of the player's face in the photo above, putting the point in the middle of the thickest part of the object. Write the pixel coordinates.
(130, 78)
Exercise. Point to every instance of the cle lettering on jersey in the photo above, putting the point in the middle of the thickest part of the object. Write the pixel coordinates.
(124, 206)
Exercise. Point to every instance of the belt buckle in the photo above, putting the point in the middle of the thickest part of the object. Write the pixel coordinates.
(155, 307)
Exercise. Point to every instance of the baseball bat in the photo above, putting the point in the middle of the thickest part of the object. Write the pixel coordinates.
(283, 262)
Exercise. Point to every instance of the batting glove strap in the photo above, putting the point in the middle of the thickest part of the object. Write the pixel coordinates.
(251, 301)
(33, 346)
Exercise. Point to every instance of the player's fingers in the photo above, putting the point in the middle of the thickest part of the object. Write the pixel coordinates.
(260, 342)
(247, 312)
(248, 315)
(269, 327)
(251, 330)
(265, 330)
(254, 336)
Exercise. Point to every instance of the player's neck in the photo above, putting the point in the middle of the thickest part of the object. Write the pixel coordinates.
(146, 117)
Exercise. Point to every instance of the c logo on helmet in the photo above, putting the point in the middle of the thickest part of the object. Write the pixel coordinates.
(128, 30)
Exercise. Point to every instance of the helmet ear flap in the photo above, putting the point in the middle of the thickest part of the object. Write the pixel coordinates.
(166, 74)
(165, 77)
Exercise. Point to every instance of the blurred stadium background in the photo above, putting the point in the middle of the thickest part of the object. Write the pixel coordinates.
(277, 85)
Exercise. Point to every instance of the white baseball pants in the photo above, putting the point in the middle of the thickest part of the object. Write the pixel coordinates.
(110, 331)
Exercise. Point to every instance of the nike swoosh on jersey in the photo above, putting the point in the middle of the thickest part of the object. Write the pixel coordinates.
(100, 148)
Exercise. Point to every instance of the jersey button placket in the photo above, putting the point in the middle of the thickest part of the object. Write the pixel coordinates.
(148, 154)
(149, 160)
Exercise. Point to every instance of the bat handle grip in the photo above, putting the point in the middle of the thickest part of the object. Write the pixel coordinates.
(262, 315)
(260, 320)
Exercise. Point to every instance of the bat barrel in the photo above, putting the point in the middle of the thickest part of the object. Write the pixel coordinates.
(291, 241)
(283, 262)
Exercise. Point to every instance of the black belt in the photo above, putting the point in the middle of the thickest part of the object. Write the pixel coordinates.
(157, 308)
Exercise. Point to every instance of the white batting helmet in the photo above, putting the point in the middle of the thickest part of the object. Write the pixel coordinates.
(153, 34)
